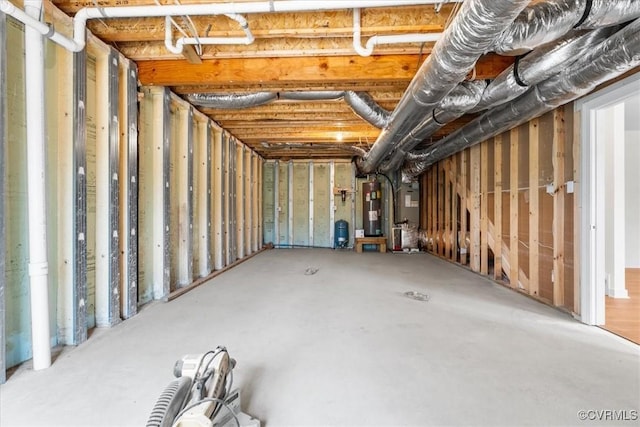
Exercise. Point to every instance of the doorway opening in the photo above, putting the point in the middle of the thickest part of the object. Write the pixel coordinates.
(610, 248)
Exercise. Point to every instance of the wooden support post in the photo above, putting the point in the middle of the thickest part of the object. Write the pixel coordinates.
(434, 209)
(558, 207)
(513, 209)
(447, 208)
(462, 237)
(577, 211)
(534, 208)
(441, 223)
(475, 208)
(428, 177)
(424, 203)
(484, 209)
(454, 207)
(497, 203)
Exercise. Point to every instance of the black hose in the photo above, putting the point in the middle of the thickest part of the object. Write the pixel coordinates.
(393, 196)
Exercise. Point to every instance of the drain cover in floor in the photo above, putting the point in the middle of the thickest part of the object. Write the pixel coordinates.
(416, 295)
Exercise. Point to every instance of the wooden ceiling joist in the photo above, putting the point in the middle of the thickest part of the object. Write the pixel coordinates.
(306, 70)
(292, 52)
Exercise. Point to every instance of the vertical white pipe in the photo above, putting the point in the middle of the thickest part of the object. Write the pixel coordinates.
(38, 267)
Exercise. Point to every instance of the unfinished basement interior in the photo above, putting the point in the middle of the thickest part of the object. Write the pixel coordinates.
(319, 213)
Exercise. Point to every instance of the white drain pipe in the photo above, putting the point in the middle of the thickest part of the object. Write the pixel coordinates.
(35, 23)
(35, 117)
(271, 6)
(367, 50)
(178, 47)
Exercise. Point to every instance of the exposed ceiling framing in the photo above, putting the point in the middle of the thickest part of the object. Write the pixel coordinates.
(291, 52)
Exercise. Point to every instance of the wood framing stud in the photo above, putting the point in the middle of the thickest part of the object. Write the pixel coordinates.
(513, 210)
(447, 208)
(558, 207)
(462, 235)
(497, 226)
(484, 208)
(534, 208)
(475, 208)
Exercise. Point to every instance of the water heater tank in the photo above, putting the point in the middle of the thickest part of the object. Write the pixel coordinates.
(372, 208)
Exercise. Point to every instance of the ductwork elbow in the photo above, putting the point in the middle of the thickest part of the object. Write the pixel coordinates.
(366, 107)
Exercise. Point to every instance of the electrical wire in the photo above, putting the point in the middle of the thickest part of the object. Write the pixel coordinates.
(208, 399)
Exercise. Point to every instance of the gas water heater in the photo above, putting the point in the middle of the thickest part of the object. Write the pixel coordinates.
(372, 208)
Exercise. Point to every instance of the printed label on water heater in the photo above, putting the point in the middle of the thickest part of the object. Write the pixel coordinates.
(373, 215)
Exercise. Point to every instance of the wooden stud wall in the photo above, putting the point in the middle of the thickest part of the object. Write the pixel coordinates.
(501, 207)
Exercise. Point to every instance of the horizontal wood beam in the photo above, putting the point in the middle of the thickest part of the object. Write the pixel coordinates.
(267, 48)
(305, 70)
(280, 86)
(316, 135)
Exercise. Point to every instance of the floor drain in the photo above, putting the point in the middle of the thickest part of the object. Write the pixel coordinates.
(416, 295)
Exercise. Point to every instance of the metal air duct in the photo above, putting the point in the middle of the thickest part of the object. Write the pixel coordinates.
(539, 65)
(361, 103)
(231, 101)
(544, 22)
(611, 58)
(366, 107)
(461, 99)
(470, 35)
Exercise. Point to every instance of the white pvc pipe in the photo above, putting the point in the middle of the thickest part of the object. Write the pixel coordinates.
(42, 28)
(393, 39)
(179, 45)
(35, 117)
(84, 14)
(80, 19)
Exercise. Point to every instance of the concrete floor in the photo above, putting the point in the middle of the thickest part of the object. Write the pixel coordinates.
(345, 347)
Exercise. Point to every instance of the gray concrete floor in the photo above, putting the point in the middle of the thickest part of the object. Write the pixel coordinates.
(345, 347)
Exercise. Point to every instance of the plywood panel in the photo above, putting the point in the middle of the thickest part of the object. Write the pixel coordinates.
(321, 205)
